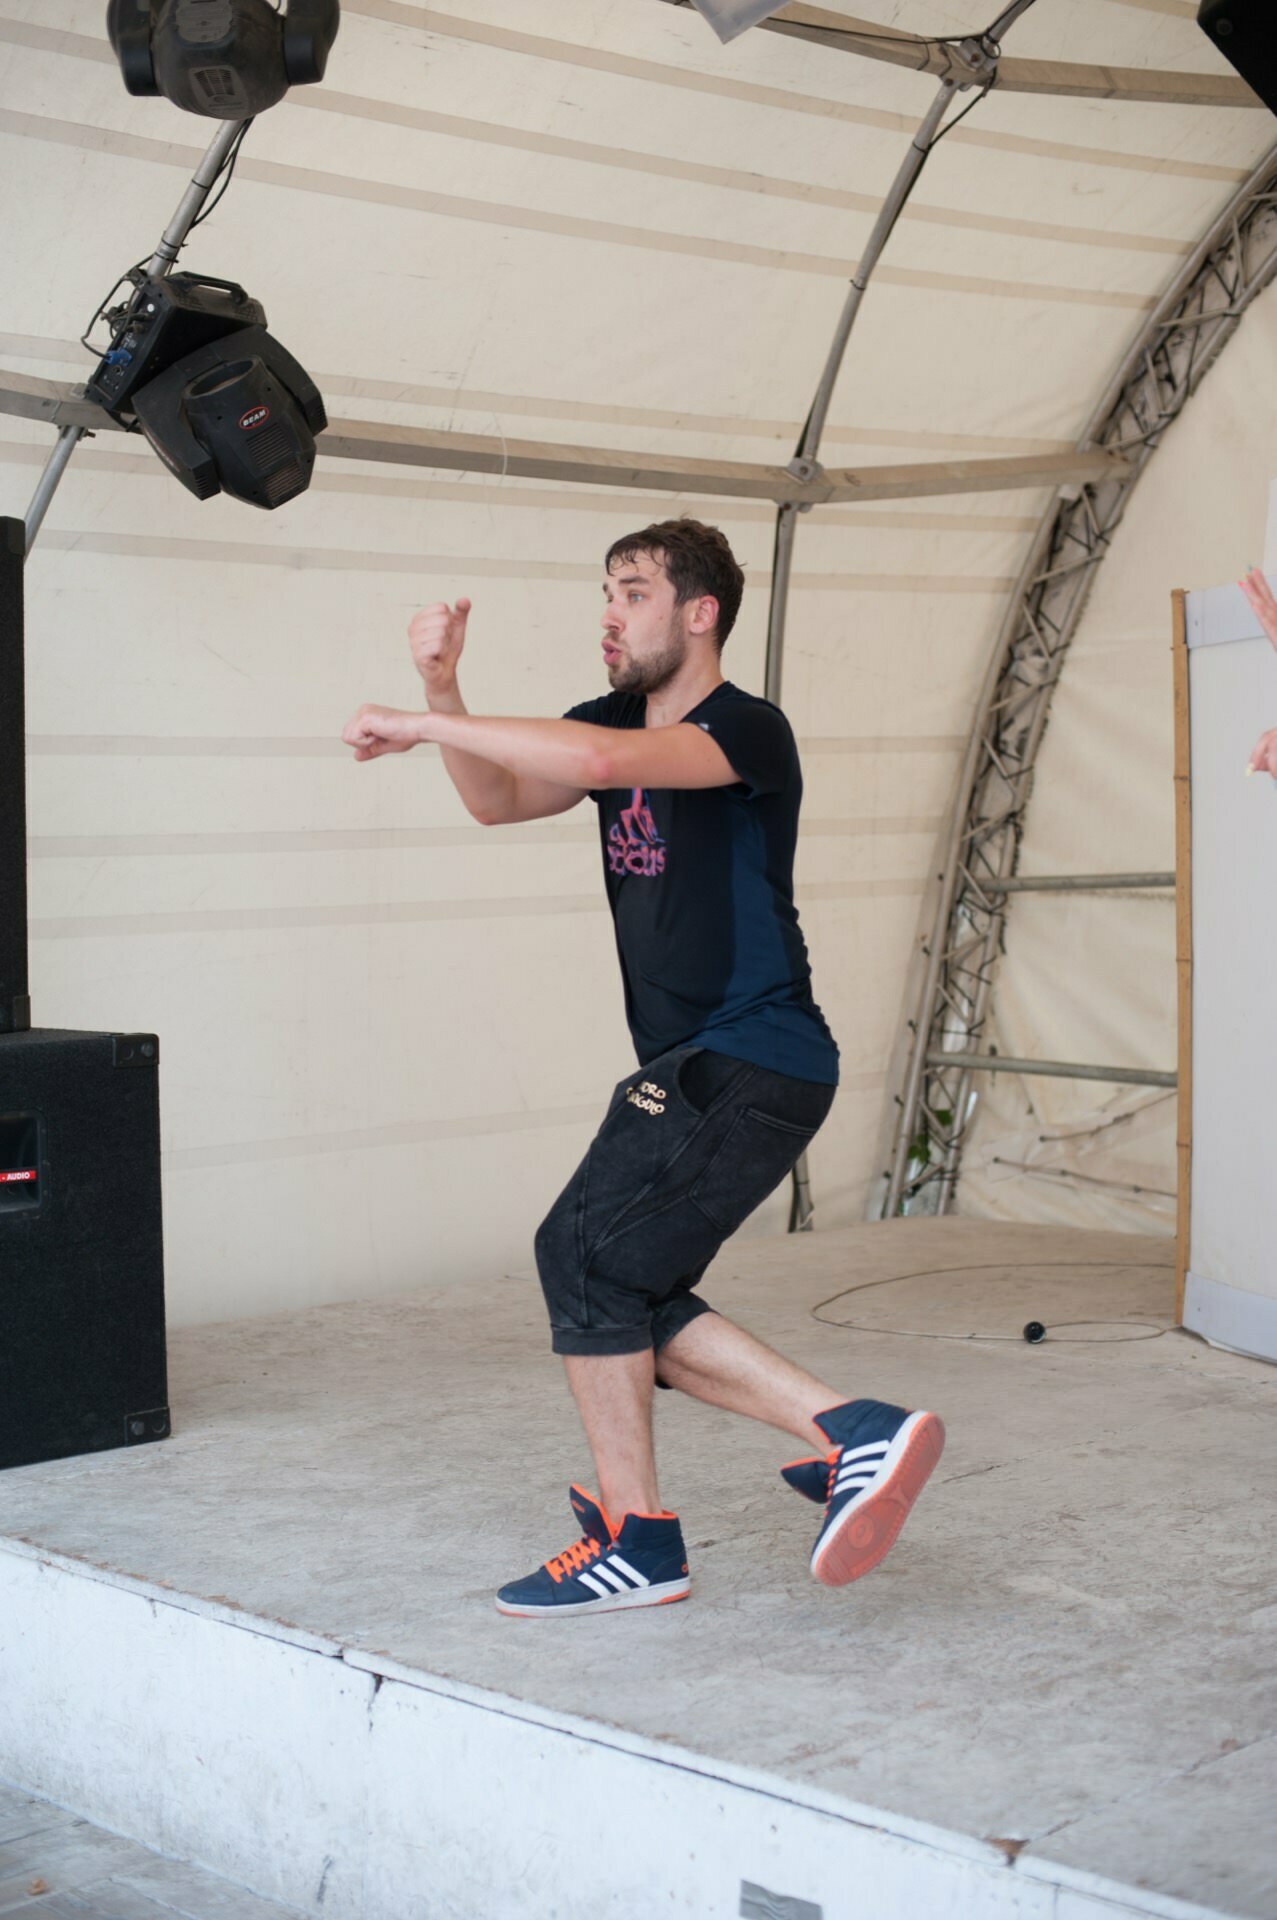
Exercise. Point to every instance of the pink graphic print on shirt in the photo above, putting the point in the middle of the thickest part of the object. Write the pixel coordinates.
(633, 843)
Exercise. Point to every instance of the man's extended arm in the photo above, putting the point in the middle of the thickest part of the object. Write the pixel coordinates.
(523, 769)
(569, 753)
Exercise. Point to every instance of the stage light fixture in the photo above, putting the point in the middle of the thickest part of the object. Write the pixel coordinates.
(239, 417)
(731, 17)
(1242, 30)
(227, 59)
(224, 405)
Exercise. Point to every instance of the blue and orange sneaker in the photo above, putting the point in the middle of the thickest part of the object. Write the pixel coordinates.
(880, 1461)
(643, 1563)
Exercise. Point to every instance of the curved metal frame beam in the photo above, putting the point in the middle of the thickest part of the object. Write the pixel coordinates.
(805, 466)
(1176, 347)
(980, 56)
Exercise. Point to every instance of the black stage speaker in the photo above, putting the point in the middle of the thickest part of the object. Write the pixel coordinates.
(1246, 34)
(82, 1360)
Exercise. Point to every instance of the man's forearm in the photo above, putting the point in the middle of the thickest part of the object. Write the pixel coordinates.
(485, 788)
(568, 752)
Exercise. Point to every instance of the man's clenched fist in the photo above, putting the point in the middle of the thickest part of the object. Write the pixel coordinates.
(436, 636)
(377, 730)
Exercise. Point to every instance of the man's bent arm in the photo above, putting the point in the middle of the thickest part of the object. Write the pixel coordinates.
(488, 792)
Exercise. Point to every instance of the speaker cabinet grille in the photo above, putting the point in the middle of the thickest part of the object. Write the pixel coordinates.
(82, 1356)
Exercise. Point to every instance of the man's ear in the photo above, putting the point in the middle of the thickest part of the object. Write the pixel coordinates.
(703, 617)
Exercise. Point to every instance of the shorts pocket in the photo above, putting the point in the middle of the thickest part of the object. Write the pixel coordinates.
(702, 1078)
(755, 1155)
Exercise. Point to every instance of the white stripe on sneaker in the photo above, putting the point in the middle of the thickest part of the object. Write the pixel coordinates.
(623, 1566)
(858, 1453)
(595, 1586)
(614, 1580)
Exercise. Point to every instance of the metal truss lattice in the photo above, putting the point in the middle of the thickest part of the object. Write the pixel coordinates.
(1180, 342)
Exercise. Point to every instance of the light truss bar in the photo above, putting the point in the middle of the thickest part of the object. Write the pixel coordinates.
(61, 405)
(979, 848)
(1077, 883)
(1052, 1069)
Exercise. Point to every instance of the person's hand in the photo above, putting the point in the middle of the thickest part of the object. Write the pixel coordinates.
(1263, 605)
(377, 730)
(436, 636)
(1264, 757)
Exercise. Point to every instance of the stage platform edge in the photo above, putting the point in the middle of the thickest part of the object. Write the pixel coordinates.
(354, 1787)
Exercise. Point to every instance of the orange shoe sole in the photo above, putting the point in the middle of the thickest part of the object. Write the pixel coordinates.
(866, 1531)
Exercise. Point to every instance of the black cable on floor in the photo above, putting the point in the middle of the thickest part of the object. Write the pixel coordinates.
(1154, 1332)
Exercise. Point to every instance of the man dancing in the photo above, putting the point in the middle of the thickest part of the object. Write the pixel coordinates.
(698, 789)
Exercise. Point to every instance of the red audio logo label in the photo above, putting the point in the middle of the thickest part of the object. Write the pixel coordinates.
(254, 417)
(21, 1173)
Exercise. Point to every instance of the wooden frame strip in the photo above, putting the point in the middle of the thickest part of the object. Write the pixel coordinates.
(1183, 943)
(60, 405)
(1071, 78)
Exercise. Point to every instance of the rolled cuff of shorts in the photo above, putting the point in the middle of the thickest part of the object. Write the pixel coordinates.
(601, 1339)
(673, 1315)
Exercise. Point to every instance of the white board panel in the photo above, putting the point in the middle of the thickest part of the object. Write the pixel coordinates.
(1233, 1234)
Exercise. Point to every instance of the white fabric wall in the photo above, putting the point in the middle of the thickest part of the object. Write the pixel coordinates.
(1231, 1285)
(387, 1033)
(1092, 978)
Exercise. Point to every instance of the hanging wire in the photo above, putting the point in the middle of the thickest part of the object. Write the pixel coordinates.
(85, 342)
(225, 174)
(228, 168)
(971, 105)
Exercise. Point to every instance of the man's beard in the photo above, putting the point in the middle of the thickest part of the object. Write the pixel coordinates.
(654, 671)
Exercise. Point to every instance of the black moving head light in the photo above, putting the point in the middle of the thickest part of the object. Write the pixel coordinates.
(228, 59)
(1242, 30)
(238, 417)
(224, 405)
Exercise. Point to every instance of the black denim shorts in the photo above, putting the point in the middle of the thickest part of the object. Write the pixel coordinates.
(689, 1146)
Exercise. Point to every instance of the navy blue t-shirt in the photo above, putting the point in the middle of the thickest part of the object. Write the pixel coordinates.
(701, 886)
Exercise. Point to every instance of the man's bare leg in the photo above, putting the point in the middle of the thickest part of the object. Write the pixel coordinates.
(718, 1362)
(613, 1394)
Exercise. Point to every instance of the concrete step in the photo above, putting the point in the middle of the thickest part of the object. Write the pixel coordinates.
(56, 1866)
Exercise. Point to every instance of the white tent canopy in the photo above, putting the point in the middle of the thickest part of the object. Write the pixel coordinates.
(388, 1032)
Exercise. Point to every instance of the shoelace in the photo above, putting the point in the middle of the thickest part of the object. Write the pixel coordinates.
(572, 1559)
(831, 1460)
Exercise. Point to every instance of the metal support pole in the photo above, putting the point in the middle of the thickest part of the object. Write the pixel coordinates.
(159, 265)
(782, 566)
(1080, 883)
(805, 463)
(1053, 1069)
(67, 441)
